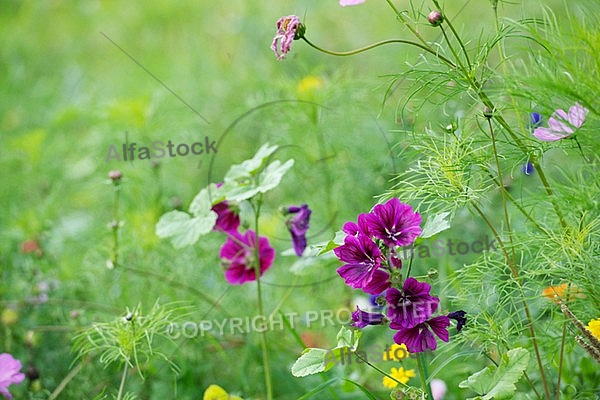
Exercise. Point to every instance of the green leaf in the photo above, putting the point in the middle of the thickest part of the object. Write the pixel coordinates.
(243, 181)
(436, 224)
(348, 338)
(337, 241)
(271, 176)
(499, 383)
(183, 229)
(312, 361)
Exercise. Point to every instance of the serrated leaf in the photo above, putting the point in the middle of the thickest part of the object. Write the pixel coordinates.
(499, 383)
(201, 204)
(436, 224)
(348, 338)
(271, 176)
(312, 361)
(184, 230)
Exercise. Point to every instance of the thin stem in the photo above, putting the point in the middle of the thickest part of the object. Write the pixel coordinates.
(422, 365)
(454, 53)
(377, 44)
(123, 378)
(528, 316)
(115, 223)
(263, 333)
(502, 190)
(380, 370)
(63, 384)
(408, 26)
(456, 35)
(561, 359)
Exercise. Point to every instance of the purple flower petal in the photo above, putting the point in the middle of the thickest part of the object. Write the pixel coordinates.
(411, 306)
(238, 255)
(419, 338)
(362, 258)
(298, 226)
(394, 222)
(288, 29)
(548, 135)
(227, 220)
(577, 114)
(362, 318)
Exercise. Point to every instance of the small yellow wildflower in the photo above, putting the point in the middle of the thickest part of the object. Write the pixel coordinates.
(216, 392)
(397, 352)
(594, 327)
(400, 374)
(309, 85)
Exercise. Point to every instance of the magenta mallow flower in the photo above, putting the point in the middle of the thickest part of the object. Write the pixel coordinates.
(562, 124)
(363, 318)
(288, 29)
(420, 337)
(9, 373)
(298, 226)
(362, 260)
(345, 3)
(412, 305)
(227, 219)
(238, 257)
(394, 222)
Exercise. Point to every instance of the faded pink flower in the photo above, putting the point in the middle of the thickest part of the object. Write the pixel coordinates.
(288, 29)
(345, 3)
(561, 124)
(9, 373)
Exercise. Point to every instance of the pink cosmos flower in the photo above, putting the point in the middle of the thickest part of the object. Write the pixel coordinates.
(288, 29)
(9, 373)
(561, 124)
(238, 255)
(345, 3)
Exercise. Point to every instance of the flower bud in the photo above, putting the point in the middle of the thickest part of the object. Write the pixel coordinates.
(115, 175)
(435, 18)
(433, 273)
(488, 112)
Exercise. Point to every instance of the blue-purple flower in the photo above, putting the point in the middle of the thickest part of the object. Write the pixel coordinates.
(9, 373)
(459, 317)
(394, 222)
(363, 318)
(528, 168)
(238, 256)
(362, 260)
(298, 226)
(420, 338)
(412, 305)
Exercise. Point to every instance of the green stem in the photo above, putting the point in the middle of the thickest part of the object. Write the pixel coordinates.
(422, 365)
(115, 224)
(377, 44)
(61, 386)
(263, 333)
(405, 22)
(454, 53)
(380, 370)
(123, 378)
(561, 358)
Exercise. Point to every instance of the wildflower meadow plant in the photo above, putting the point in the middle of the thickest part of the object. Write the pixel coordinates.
(507, 115)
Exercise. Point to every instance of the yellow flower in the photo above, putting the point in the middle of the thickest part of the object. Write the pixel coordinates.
(397, 352)
(216, 392)
(309, 85)
(400, 374)
(594, 327)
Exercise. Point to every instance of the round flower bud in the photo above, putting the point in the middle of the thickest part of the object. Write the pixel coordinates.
(433, 273)
(488, 112)
(435, 18)
(115, 175)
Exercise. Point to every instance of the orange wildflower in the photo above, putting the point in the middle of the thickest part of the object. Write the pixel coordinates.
(564, 291)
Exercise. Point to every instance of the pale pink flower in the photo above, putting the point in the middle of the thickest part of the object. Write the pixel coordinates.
(288, 29)
(9, 373)
(561, 124)
(345, 3)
